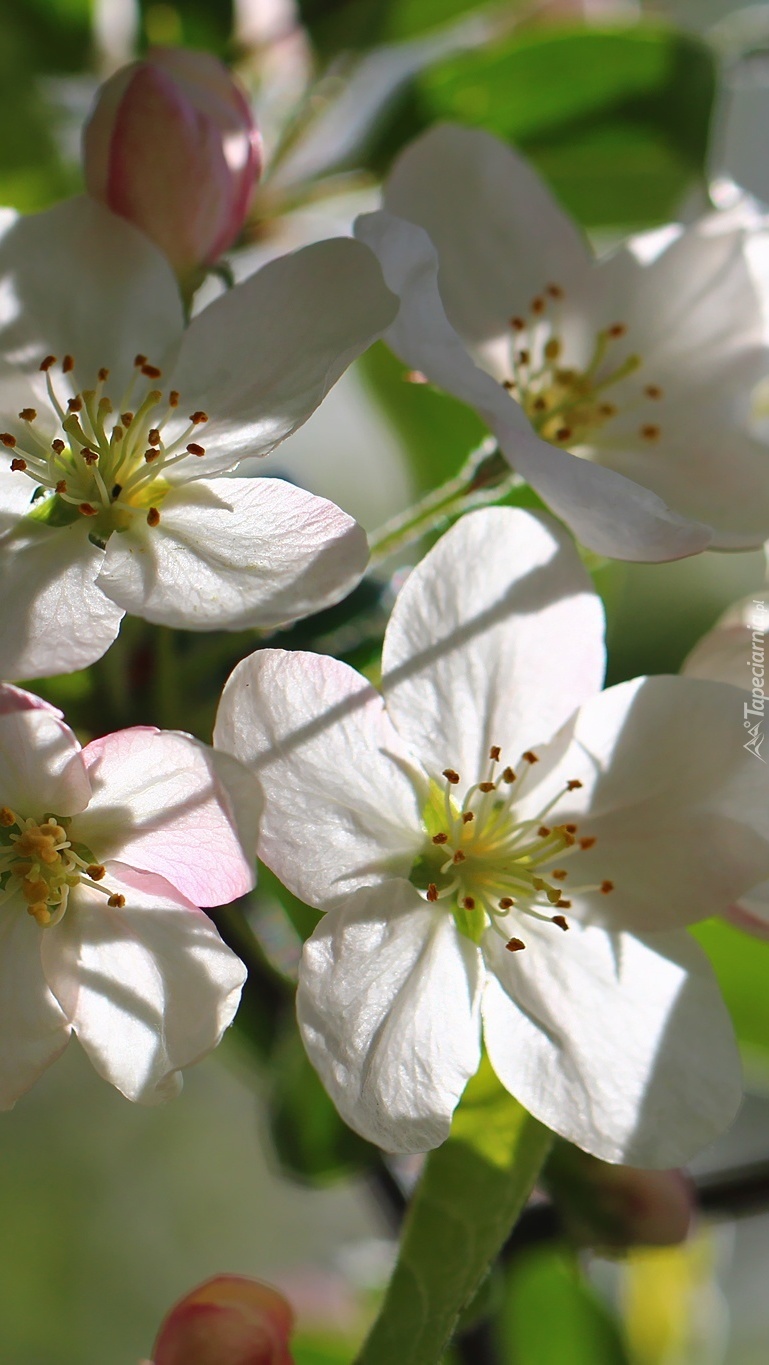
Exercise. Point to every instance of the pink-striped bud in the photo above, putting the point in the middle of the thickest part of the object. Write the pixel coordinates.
(229, 1320)
(171, 146)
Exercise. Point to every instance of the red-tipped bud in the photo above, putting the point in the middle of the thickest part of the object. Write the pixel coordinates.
(229, 1320)
(171, 146)
(614, 1207)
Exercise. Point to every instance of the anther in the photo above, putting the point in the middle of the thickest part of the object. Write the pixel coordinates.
(585, 844)
(140, 360)
(508, 775)
(75, 404)
(47, 363)
(152, 454)
(618, 329)
(451, 776)
(555, 291)
(494, 753)
(468, 903)
(530, 756)
(653, 391)
(61, 486)
(126, 418)
(153, 436)
(540, 405)
(563, 904)
(57, 446)
(432, 892)
(7, 439)
(514, 945)
(194, 449)
(517, 324)
(559, 874)
(173, 398)
(87, 510)
(151, 371)
(573, 784)
(537, 306)
(89, 455)
(7, 817)
(552, 348)
(153, 517)
(487, 786)
(523, 357)
(607, 409)
(563, 434)
(506, 903)
(650, 432)
(28, 414)
(116, 490)
(116, 901)
(543, 831)
(96, 871)
(606, 887)
(198, 417)
(19, 465)
(103, 375)
(68, 364)
(561, 921)
(440, 838)
(467, 817)
(570, 829)
(459, 857)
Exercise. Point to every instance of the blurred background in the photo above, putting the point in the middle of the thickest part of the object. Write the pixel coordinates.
(633, 112)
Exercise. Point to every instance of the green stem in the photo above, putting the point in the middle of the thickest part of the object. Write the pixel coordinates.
(469, 1197)
(485, 477)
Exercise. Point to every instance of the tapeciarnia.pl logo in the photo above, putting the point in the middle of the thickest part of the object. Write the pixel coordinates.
(753, 710)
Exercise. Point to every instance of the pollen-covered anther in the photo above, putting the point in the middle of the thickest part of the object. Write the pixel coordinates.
(508, 775)
(573, 784)
(18, 465)
(28, 414)
(617, 330)
(494, 753)
(197, 418)
(151, 371)
(555, 291)
(544, 831)
(650, 432)
(152, 453)
(153, 517)
(57, 446)
(194, 449)
(75, 404)
(563, 434)
(7, 439)
(468, 903)
(90, 456)
(506, 903)
(153, 436)
(60, 487)
(561, 921)
(116, 901)
(451, 776)
(487, 787)
(537, 306)
(96, 871)
(467, 817)
(103, 375)
(514, 945)
(46, 364)
(440, 838)
(559, 874)
(653, 391)
(86, 509)
(459, 856)
(587, 843)
(530, 756)
(518, 324)
(7, 817)
(606, 887)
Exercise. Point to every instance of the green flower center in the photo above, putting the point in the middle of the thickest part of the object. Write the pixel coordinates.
(490, 865)
(567, 406)
(38, 860)
(108, 463)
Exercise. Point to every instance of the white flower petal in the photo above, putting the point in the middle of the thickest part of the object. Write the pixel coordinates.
(33, 1029)
(606, 511)
(54, 617)
(340, 811)
(724, 653)
(622, 1045)
(500, 234)
(260, 359)
(388, 1007)
(42, 770)
(76, 279)
(234, 553)
(678, 809)
(495, 638)
(161, 803)
(149, 988)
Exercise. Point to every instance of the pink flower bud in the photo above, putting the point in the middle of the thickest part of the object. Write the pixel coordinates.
(229, 1320)
(613, 1207)
(171, 146)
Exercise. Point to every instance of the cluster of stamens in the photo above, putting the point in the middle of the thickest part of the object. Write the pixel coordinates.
(40, 861)
(488, 862)
(567, 406)
(108, 462)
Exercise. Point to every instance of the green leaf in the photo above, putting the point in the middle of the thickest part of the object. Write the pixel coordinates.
(741, 964)
(617, 120)
(346, 24)
(470, 1194)
(551, 1314)
(311, 1141)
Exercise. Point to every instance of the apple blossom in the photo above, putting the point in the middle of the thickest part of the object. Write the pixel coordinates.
(642, 362)
(114, 417)
(229, 1320)
(171, 145)
(493, 859)
(106, 853)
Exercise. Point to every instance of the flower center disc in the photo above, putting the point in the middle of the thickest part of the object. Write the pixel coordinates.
(38, 859)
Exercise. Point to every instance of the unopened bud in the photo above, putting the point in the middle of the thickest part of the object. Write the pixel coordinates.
(229, 1320)
(614, 1207)
(171, 146)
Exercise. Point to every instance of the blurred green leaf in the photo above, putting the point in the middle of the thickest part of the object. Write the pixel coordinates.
(189, 23)
(311, 1141)
(345, 24)
(617, 120)
(470, 1193)
(438, 432)
(741, 964)
(551, 1314)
